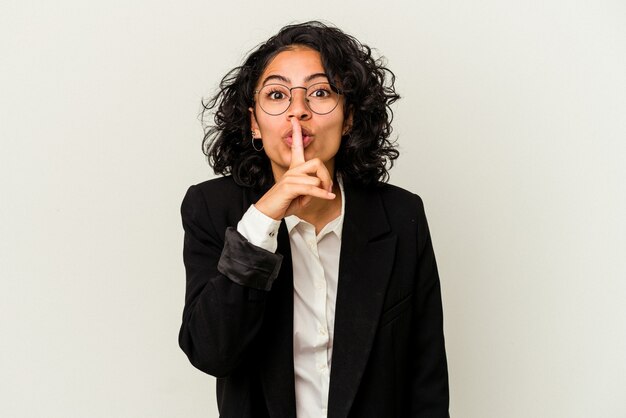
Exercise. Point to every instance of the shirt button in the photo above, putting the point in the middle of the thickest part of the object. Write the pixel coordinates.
(272, 233)
(318, 284)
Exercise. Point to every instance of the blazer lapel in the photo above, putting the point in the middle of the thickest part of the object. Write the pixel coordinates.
(277, 372)
(367, 254)
(276, 368)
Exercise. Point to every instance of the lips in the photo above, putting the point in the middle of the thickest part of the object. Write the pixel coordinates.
(307, 137)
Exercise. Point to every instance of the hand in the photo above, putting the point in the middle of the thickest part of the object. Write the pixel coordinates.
(299, 185)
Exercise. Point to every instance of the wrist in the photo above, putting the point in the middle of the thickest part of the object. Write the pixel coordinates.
(266, 210)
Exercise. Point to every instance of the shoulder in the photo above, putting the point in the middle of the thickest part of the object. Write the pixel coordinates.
(207, 192)
(217, 185)
(396, 200)
(403, 209)
(402, 205)
(398, 207)
(220, 189)
(395, 193)
(219, 198)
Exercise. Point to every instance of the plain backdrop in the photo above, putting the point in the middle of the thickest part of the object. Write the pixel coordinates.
(511, 128)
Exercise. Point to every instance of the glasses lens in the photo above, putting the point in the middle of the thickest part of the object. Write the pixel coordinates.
(322, 98)
(274, 98)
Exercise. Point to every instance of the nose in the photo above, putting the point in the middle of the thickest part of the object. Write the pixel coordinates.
(298, 107)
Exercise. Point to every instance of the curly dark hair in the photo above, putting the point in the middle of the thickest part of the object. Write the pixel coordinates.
(365, 154)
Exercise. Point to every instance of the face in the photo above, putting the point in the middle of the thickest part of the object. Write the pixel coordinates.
(321, 134)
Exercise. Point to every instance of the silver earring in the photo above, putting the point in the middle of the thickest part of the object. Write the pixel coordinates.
(252, 142)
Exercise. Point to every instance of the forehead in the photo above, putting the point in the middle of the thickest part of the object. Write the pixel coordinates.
(294, 64)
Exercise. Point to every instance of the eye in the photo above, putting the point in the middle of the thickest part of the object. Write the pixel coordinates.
(275, 95)
(320, 92)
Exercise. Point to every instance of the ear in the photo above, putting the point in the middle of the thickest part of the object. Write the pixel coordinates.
(347, 123)
(253, 124)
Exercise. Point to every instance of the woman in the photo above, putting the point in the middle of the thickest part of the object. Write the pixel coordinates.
(312, 288)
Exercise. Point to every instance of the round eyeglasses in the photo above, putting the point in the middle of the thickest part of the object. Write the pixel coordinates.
(320, 98)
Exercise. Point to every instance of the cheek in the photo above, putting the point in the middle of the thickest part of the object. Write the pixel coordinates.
(277, 152)
(336, 129)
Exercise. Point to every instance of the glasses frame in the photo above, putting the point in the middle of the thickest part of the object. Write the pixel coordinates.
(306, 100)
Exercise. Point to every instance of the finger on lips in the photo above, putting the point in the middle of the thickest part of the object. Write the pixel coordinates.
(315, 166)
(297, 147)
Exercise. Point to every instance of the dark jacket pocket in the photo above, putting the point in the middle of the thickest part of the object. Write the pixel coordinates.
(396, 310)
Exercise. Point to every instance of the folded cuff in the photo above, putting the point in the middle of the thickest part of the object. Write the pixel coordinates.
(246, 264)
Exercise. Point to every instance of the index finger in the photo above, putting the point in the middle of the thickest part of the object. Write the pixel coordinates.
(297, 148)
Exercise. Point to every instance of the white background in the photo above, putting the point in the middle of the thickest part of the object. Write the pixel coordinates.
(511, 128)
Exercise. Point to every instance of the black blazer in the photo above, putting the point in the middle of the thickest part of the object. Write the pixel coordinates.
(388, 355)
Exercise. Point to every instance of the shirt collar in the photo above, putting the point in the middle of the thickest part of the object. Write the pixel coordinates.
(336, 225)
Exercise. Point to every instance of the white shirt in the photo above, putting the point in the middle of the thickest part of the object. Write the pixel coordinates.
(315, 260)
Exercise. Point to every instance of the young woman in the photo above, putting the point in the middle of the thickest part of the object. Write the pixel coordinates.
(312, 288)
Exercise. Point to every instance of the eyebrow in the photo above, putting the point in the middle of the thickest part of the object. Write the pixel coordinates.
(286, 80)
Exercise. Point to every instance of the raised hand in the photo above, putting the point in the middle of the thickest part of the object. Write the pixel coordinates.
(303, 181)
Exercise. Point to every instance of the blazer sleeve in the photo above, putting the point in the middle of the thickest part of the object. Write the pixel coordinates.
(227, 282)
(430, 392)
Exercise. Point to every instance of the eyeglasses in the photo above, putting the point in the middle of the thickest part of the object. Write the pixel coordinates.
(320, 98)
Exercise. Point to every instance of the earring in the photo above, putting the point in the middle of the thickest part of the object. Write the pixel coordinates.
(252, 142)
